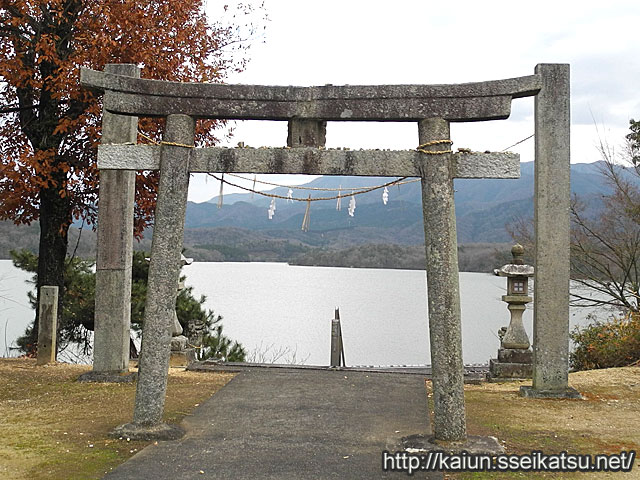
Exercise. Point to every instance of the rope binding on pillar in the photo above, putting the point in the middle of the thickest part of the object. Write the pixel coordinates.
(421, 147)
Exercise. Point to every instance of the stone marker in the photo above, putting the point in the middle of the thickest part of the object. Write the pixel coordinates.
(47, 325)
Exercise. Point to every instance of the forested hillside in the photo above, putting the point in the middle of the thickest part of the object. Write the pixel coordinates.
(378, 235)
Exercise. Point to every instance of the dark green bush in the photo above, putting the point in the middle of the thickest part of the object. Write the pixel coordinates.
(217, 346)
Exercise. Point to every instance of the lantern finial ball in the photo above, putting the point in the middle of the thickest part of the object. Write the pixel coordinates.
(517, 251)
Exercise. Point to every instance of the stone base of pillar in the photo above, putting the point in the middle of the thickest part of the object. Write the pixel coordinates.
(530, 392)
(161, 431)
(108, 377)
(473, 445)
(511, 364)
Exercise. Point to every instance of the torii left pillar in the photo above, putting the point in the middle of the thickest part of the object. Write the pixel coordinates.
(114, 252)
(164, 274)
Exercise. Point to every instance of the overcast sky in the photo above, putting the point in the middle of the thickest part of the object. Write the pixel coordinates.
(369, 43)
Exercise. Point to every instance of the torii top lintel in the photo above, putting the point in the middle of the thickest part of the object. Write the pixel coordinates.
(465, 102)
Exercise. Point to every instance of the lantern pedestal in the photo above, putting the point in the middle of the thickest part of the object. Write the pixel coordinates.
(511, 364)
(516, 336)
(515, 360)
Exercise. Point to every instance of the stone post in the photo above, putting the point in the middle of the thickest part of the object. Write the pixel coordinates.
(164, 274)
(551, 216)
(336, 342)
(114, 250)
(436, 172)
(47, 325)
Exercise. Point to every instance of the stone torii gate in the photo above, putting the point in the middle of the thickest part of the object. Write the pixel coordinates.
(307, 109)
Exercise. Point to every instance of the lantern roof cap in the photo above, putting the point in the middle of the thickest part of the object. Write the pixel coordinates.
(517, 268)
(512, 270)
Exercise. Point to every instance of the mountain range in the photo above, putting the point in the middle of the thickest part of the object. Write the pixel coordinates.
(483, 208)
(377, 235)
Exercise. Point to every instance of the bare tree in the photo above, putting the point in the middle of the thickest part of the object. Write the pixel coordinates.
(606, 248)
(605, 245)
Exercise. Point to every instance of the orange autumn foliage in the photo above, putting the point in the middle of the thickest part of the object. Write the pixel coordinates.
(50, 127)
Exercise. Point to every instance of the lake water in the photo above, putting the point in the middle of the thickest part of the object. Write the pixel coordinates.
(15, 311)
(283, 313)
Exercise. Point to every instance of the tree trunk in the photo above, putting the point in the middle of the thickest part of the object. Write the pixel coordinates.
(55, 219)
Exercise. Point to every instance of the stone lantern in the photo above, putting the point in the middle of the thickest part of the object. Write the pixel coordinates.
(514, 357)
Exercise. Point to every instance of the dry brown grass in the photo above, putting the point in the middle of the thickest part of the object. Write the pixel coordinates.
(52, 427)
(607, 421)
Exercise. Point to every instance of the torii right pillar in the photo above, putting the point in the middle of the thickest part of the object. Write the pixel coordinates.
(552, 223)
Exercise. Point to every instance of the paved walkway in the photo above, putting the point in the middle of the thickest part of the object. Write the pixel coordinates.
(292, 424)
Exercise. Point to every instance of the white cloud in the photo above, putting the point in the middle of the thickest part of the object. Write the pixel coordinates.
(364, 42)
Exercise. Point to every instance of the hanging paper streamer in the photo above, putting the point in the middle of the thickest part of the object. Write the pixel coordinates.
(290, 196)
(220, 194)
(305, 220)
(352, 205)
(253, 190)
(385, 195)
(272, 208)
(339, 202)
